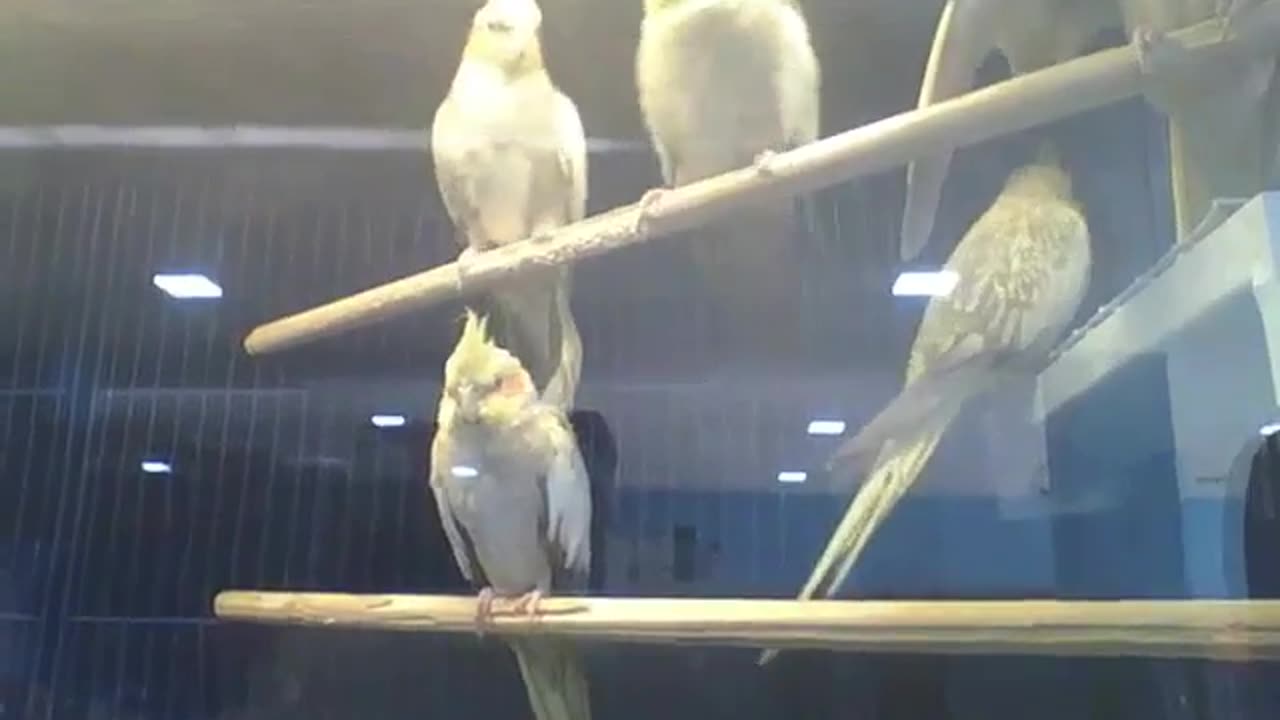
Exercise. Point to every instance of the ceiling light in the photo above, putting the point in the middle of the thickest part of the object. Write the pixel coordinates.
(938, 283)
(792, 476)
(464, 471)
(388, 421)
(187, 286)
(156, 467)
(826, 427)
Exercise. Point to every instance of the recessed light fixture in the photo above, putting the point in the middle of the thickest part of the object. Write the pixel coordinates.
(937, 283)
(156, 467)
(792, 476)
(187, 286)
(826, 427)
(388, 421)
(464, 471)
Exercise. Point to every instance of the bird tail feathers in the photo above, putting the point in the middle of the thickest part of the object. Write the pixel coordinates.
(554, 678)
(875, 499)
(533, 320)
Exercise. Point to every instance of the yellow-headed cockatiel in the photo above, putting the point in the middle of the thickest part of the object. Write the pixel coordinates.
(515, 503)
(510, 158)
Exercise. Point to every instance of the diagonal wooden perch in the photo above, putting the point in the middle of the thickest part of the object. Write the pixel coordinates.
(1216, 629)
(1011, 106)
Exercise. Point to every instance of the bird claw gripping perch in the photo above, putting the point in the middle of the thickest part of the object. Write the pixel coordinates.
(1157, 58)
(766, 164)
(528, 603)
(484, 610)
(651, 199)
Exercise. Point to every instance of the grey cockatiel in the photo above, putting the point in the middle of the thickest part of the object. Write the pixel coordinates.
(1021, 271)
(1031, 34)
(721, 84)
(510, 158)
(1222, 125)
(515, 503)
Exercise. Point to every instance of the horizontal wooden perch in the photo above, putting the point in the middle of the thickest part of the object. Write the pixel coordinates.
(1224, 630)
(1011, 106)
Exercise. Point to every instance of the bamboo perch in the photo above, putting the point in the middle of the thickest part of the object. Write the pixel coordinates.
(1011, 106)
(1212, 629)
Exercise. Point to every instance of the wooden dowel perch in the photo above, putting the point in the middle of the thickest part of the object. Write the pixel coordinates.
(1011, 106)
(1224, 630)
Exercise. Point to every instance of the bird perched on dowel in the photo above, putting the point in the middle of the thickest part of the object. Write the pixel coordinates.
(515, 502)
(1224, 123)
(510, 157)
(723, 84)
(1021, 272)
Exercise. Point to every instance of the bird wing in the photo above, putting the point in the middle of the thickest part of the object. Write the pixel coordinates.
(464, 553)
(567, 492)
(449, 155)
(573, 155)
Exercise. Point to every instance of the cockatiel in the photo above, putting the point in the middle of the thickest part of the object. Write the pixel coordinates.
(510, 158)
(721, 85)
(515, 503)
(1031, 34)
(1223, 125)
(1021, 272)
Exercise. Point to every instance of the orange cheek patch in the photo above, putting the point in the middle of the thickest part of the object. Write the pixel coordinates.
(514, 384)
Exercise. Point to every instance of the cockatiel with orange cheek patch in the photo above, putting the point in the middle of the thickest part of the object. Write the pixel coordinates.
(515, 503)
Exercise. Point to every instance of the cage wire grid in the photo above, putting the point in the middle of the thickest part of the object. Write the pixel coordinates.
(278, 480)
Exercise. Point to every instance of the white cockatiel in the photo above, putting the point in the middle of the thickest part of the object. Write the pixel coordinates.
(1222, 124)
(510, 158)
(515, 503)
(721, 84)
(1021, 272)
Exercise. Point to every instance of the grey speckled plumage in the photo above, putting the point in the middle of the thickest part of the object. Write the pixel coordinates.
(515, 503)
(510, 158)
(1022, 270)
(720, 82)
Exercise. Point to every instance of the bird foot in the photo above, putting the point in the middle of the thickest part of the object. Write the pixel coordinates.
(765, 163)
(1157, 56)
(650, 200)
(484, 609)
(528, 603)
(543, 235)
(1231, 13)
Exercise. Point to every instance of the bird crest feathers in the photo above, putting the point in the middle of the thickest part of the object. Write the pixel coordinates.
(475, 344)
(505, 33)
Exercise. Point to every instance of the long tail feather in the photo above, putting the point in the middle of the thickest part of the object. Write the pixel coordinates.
(562, 389)
(749, 265)
(877, 497)
(554, 678)
(533, 320)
